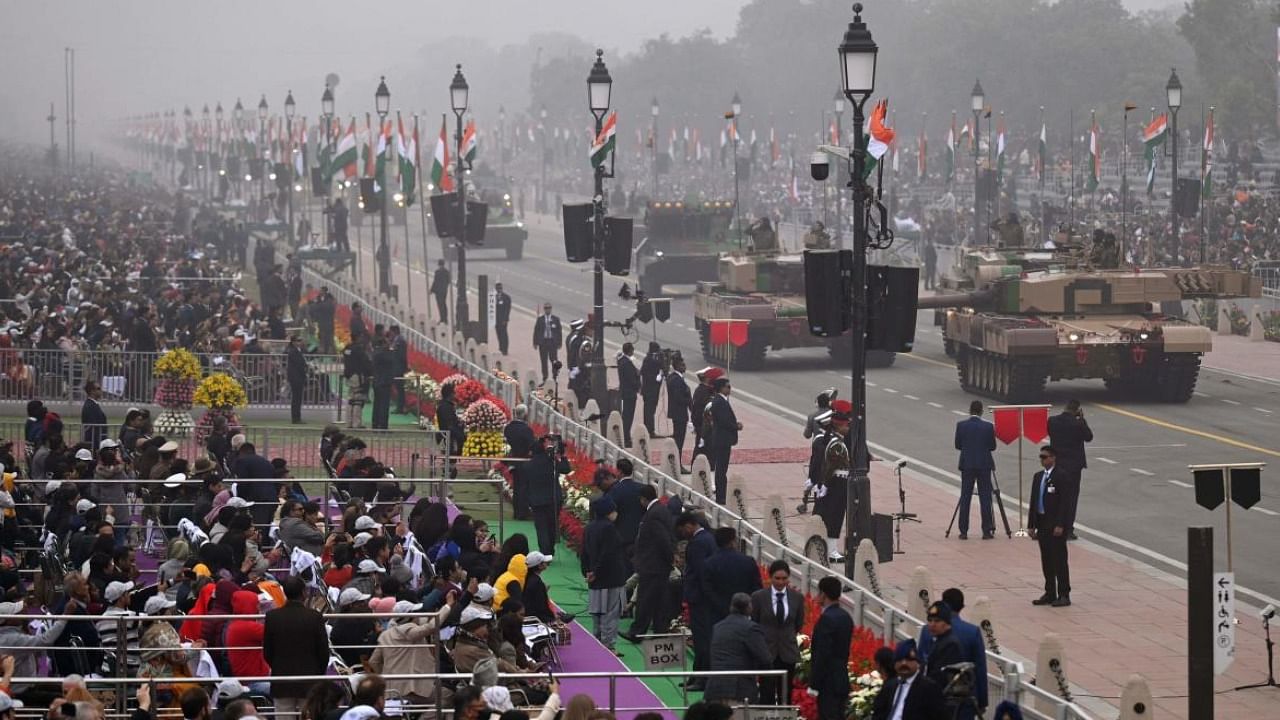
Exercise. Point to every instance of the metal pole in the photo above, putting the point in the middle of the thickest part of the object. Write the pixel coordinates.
(653, 193)
(1173, 196)
(599, 374)
(977, 176)
(1204, 207)
(1044, 170)
(737, 213)
(288, 131)
(1200, 622)
(839, 195)
(384, 243)
(1124, 184)
(460, 288)
(860, 484)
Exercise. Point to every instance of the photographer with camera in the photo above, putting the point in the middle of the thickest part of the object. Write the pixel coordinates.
(542, 472)
(1068, 433)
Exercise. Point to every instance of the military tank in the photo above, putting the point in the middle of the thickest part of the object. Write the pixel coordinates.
(766, 290)
(680, 242)
(1021, 328)
(502, 229)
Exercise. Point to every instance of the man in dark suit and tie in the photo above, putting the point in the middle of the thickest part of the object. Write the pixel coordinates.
(628, 389)
(625, 493)
(1047, 524)
(653, 560)
(829, 648)
(909, 695)
(520, 439)
(501, 316)
(729, 572)
(1068, 432)
(651, 384)
(976, 440)
(697, 591)
(779, 610)
(93, 421)
(679, 400)
(547, 337)
(296, 374)
(724, 434)
(737, 644)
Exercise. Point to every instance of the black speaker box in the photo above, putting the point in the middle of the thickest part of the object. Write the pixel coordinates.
(1187, 197)
(369, 196)
(882, 536)
(617, 245)
(477, 219)
(986, 185)
(827, 291)
(577, 232)
(443, 216)
(319, 187)
(891, 303)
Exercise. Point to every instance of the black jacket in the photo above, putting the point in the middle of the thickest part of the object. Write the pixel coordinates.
(829, 648)
(295, 365)
(540, 330)
(440, 282)
(724, 423)
(678, 398)
(729, 572)
(946, 651)
(924, 700)
(1068, 434)
(650, 376)
(1054, 502)
(536, 601)
(384, 367)
(655, 542)
(93, 423)
(700, 549)
(447, 421)
(294, 642)
(542, 473)
(501, 308)
(628, 377)
(602, 555)
(626, 496)
(520, 437)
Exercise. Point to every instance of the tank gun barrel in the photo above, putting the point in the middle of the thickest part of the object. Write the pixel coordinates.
(975, 299)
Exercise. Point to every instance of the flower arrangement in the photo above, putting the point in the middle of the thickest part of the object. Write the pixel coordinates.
(862, 651)
(484, 443)
(204, 427)
(420, 384)
(484, 415)
(220, 391)
(862, 694)
(454, 379)
(177, 364)
(469, 391)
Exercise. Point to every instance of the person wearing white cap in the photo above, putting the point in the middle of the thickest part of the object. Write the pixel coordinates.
(13, 636)
(366, 524)
(536, 599)
(470, 644)
(403, 650)
(118, 596)
(353, 637)
(159, 604)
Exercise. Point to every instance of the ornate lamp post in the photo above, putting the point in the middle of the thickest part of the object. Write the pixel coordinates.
(326, 114)
(290, 108)
(978, 101)
(653, 133)
(735, 106)
(459, 94)
(599, 89)
(1173, 89)
(382, 105)
(262, 138)
(839, 108)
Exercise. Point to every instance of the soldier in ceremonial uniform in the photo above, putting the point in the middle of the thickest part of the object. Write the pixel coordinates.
(818, 427)
(833, 490)
(700, 409)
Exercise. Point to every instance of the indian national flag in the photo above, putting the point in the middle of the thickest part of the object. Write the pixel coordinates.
(881, 136)
(469, 143)
(922, 154)
(345, 158)
(1000, 149)
(605, 142)
(1206, 159)
(408, 150)
(383, 154)
(1044, 150)
(951, 150)
(1095, 157)
(440, 161)
(1153, 136)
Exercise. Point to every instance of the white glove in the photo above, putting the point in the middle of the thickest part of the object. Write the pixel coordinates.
(820, 493)
(808, 485)
(811, 692)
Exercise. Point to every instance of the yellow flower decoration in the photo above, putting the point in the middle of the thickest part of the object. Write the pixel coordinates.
(484, 443)
(177, 364)
(220, 391)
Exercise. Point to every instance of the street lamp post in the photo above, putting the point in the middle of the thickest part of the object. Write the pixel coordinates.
(736, 108)
(978, 102)
(502, 143)
(1174, 92)
(382, 104)
(599, 88)
(326, 113)
(839, 107)
(221, 170)
(858, 71)
(237, 122)
(653, 135)
(290, 107)
(203, 167)
(262, 139)
(459, 94)
(542, 188)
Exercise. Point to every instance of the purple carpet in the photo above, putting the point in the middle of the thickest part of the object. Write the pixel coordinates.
(586, 654)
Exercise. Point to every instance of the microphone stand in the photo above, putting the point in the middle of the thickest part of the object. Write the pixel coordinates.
(899, 517)
(1271, 658)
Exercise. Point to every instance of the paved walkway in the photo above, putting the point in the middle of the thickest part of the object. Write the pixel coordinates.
(1239, 354)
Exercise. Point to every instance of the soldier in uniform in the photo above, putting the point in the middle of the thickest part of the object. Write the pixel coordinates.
(833, 490)
(819, 429)
(817, 238)
(700, 407)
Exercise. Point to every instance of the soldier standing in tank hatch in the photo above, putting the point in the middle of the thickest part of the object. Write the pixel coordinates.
(836, 464)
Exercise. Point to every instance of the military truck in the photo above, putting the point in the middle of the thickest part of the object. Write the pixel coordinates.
(1020, 329)
(502, 231)
(765, 292)
(680, 242)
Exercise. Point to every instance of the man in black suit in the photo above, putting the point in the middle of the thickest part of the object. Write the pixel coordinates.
(440, 289)
(679, 400)
(909, 695)
(1048, 525)
(1068, 432)
(737, 644)
(976, 440)
(294, 642)
(93, 420)
(501, 316)
(520, 439)
(654, 558)
(829, 648)
(296, 373)
(697, 591)
(400, 352)
(724, 434)
(547, 337)
(628, 388)
(779, 610)
(625, 493)
(651, 384)
(729, 572)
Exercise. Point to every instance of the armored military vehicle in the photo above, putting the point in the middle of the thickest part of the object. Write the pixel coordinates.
(502, 231)
(1020, 329)
(680, 243)
(762, 295)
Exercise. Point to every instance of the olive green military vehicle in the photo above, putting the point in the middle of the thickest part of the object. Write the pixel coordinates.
(680, 243)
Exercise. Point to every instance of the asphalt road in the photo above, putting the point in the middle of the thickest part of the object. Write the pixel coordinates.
(1137, 495)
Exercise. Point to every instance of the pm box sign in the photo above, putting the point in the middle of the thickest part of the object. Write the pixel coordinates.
(664, 652)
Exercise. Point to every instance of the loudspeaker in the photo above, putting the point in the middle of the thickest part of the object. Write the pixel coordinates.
(1210, 491)
(443, 214)
(882, 536)
(827, 276)
(319, 187)
(477, 219)
(617, 245)
(369, 197)
(892, 293)
(986, 185)
(577, 232)
(1186, 197)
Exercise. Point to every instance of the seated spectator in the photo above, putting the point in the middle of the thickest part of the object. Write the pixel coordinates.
(165, 660)
(118, 596)
(244, 642)
(301, 527)
(176, 561)
(353, 635)
(403, 650)
(25, 662)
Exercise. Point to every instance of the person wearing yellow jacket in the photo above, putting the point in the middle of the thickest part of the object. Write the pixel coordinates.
(511, 582)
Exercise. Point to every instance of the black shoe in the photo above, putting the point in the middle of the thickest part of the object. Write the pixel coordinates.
(1064, 601)
(964, 536)
(635, 639)
(1072, 536)
(565, 617)
(988, 536)
(1045, 599)
(694, 685)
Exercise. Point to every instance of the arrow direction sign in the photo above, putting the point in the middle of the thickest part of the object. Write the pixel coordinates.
(1224, 627)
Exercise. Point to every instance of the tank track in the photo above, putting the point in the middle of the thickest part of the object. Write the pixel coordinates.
(999, 377)
(1175, 377)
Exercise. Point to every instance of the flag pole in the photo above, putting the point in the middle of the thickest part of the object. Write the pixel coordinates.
(1042, 150)
(1071, 133)
(404, 200)
(422, 203)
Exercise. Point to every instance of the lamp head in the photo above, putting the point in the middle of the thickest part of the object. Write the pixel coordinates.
(978, 97)
(382, 98)
(736, 105)
(1174, 90)
(326, 101)
(290, 107)
(262, 108)
(459, 91)
(599, 86)
(858, 57)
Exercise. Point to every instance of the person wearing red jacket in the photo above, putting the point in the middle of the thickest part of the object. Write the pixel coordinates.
(246, 636)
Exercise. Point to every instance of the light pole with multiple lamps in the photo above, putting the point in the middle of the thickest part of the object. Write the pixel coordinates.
(978, 101)
(858, 71)
(290, 107)
(262, 139)
(599, 89)
(735, 108)
(382, 105)
(653, 135)
(326, 114)
(839, 108)
(1173, 89)
(459, 94)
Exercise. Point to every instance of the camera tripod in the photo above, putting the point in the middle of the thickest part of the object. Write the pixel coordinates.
(999, 501)
(903, 515)
(1271, 659)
